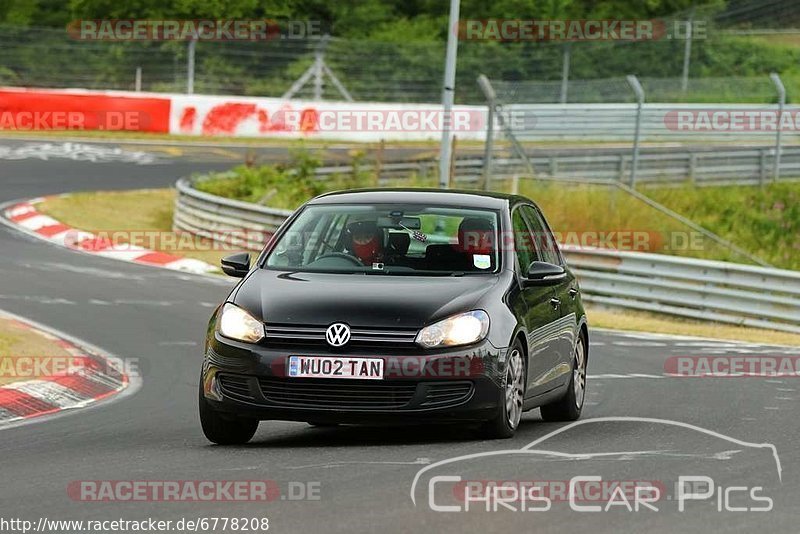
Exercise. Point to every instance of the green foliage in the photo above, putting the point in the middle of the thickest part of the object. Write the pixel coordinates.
(284, 185)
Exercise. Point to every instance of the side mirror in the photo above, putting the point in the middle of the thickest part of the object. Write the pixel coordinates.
(237, 265)
(541, 273)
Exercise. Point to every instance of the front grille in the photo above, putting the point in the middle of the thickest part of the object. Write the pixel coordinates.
(359, 335)
(237, 386)
(324, 393)
(446, 393)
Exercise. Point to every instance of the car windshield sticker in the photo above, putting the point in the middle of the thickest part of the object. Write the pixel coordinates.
(482, 261)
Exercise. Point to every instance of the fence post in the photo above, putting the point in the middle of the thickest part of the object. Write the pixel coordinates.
(488, 91)
(565, 72)
(776, 79)
(137, 84)
(319, 61)
(379, 161)
(687, 52)
(637, 88)
(190, 66)
(451, 178)
(448, 94)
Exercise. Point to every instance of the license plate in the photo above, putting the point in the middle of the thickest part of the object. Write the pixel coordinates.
(335, 367)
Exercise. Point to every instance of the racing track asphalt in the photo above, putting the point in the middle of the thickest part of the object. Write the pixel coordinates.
(365, 474)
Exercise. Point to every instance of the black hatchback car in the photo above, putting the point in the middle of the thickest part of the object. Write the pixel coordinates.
(398, 306)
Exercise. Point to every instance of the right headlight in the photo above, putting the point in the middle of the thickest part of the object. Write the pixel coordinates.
(461, 329)
(237, 324)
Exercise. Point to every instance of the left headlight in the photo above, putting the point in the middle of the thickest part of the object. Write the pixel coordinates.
(461, 329)
(236, 323)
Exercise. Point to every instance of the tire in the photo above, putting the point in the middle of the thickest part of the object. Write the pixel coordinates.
(570, 406)
(224, 431)
(507, 421)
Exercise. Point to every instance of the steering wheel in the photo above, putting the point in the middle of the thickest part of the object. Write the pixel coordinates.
(351, 260)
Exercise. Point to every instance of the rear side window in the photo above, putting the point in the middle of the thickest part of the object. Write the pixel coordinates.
(524, 245)
(545, 242)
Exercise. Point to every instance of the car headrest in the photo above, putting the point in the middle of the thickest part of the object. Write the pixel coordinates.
(476, 235)
(399, 242)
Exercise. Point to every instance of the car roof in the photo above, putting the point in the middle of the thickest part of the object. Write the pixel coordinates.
(442, 197)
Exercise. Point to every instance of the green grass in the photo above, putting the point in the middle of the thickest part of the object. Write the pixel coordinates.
(765, 222)
(145, 213)
(595, 215)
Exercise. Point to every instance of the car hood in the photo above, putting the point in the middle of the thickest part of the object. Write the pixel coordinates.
(358, 299)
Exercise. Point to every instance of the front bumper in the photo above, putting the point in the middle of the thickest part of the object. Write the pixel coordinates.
(459, 385)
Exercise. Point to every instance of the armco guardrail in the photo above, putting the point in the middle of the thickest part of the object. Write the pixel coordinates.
(660, 122)
(700, 289)
(711, 290)
(698, 165)
(241, 224)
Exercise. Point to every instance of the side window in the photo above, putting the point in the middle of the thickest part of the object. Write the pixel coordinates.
(524, 246)
(545, 243)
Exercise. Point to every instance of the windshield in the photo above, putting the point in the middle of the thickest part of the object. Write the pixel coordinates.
(389, 239)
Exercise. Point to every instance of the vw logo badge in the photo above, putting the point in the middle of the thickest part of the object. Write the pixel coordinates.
(337, 334)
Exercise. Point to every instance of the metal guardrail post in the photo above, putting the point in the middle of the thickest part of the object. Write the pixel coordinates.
(637, 88)
(567, 52)
(776, 79)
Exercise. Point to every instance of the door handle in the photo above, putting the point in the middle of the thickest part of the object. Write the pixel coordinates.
(555, 303)
(573, 293)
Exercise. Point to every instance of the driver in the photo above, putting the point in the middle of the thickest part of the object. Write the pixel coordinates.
(366, 241)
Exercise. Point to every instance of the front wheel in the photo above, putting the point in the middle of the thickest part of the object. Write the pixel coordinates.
(506, 423)
(569, 407)
(224, 431)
